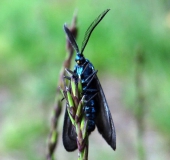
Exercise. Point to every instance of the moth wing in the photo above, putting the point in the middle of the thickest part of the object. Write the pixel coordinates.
(69, 134)
(104, 121)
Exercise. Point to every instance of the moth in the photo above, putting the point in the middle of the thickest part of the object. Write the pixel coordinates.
(96, 109)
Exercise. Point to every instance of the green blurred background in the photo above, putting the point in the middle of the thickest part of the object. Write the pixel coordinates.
(32, 49)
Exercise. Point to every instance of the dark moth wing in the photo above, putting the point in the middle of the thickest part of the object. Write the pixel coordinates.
(104, 121)
(69, 134)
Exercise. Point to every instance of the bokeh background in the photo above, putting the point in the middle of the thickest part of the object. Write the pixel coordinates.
(32, 50)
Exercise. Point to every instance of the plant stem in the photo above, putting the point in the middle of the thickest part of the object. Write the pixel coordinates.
(75, 103)
(53, 137)
(140, 114)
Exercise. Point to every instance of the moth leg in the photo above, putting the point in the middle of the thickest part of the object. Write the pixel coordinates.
(67, 85)
(70, 72)
(85, 67)
(90, 76)
(62, 99)
(67, 77)
(90, 80)
(86, 101)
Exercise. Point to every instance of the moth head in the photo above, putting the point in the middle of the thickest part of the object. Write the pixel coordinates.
(80, 59)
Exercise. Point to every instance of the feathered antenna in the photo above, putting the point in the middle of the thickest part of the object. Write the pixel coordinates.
(87, 34)
(91, 28)
(71, 38)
